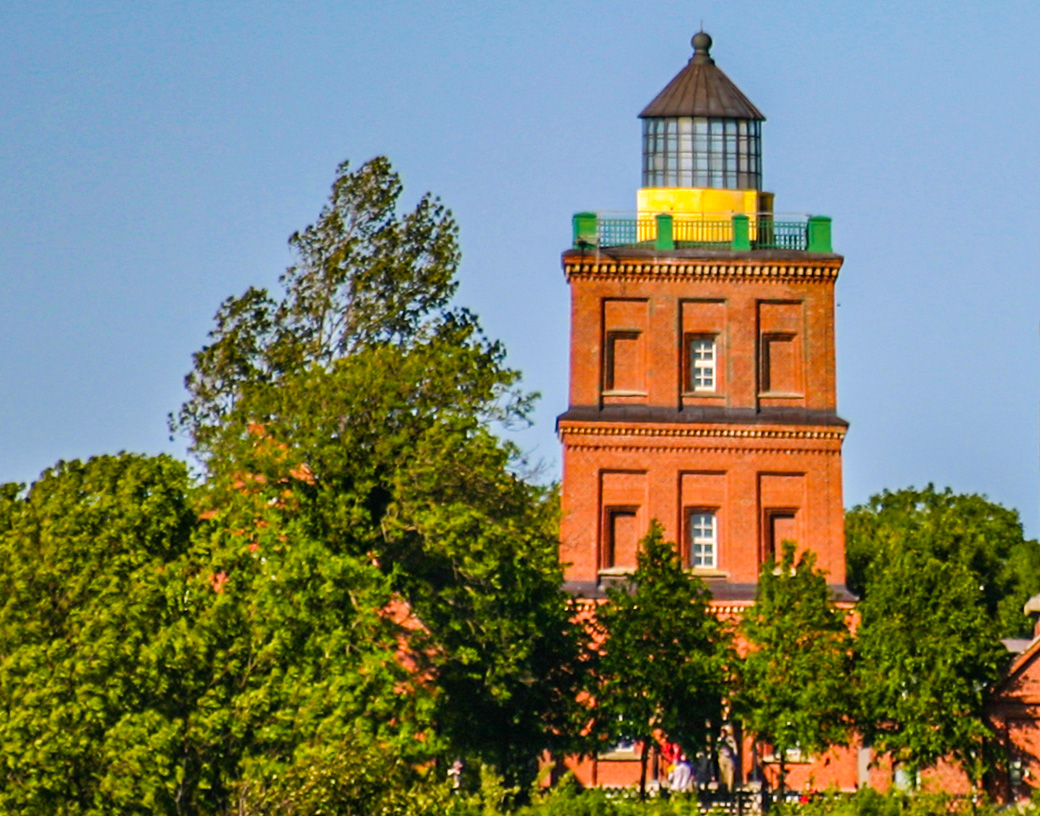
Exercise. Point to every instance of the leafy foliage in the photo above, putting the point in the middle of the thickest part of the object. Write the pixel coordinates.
(984, 537)
(354, 778)
(306, 642)
(362, 568)
(93, 721)
(150, 661)
(664, 655)
(567, 800)
(942, 576)
(365, 380)
(926, 653)
(869, 802)
(795, 690)
(365, 276)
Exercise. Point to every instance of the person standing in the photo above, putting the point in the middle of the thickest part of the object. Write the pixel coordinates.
(727, 759)
(681, 775)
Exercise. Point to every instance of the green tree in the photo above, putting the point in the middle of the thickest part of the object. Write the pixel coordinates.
(93, 720)
(926, 654)
(362, 569)
(153, 663)
(794, 690)
(967, 529)
(355, 777)
(664, 655)
(367, 379)
(365, 276)
(304, 647)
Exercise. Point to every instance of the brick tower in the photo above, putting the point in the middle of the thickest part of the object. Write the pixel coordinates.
(702, 387)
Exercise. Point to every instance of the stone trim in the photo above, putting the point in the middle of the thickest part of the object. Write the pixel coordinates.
(825, 271)
(724, 433)
(701, 449)
(719, 607)
(732, 608)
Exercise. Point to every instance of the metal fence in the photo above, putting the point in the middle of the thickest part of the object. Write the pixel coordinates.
(691, 231)
(782, 234)
(614, 232)
(702, 232)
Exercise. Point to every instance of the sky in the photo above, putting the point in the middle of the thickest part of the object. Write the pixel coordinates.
(155, 157)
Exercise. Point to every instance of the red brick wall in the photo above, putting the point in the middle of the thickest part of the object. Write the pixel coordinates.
(1014, 713)
(772, 321)
(773, 325)
(666, 304)
(664, 475)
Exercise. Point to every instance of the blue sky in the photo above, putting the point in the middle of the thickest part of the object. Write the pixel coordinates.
(154, 158)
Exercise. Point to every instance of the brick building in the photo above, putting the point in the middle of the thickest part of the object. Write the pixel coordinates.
(702, 370)
(702, 394)
(702, 387)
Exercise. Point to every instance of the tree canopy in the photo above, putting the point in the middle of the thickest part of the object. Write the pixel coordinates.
(984, 537)
(153, 662)
(926, 655)
(664, 656)
(92, 718)
(942, 577)
(366, 377)
(361, 569)
(365, 276)
(794, 690)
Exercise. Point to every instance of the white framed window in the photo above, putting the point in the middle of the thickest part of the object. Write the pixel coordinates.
(703, 539)
(702, 364)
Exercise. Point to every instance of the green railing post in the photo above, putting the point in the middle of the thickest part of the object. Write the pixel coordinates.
(765, 231)
(741, 234)
(819, 234)
(585, 229)
(664, 232)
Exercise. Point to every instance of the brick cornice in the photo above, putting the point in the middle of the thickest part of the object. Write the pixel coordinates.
(601, 267)
(623, 448)
(601, 429)
(722, 608)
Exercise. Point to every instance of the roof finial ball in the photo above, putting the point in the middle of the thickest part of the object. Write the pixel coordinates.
(701, 46)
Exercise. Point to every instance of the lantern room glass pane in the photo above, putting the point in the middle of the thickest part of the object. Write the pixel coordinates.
(685, 151)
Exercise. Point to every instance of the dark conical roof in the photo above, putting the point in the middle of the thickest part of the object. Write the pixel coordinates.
(701, 89)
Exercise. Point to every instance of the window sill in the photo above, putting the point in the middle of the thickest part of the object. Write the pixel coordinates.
(619, 393)
(705, 572)
(703, 395)
(612, 572)
(780, 395)
(619, 756)
(790, 759)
